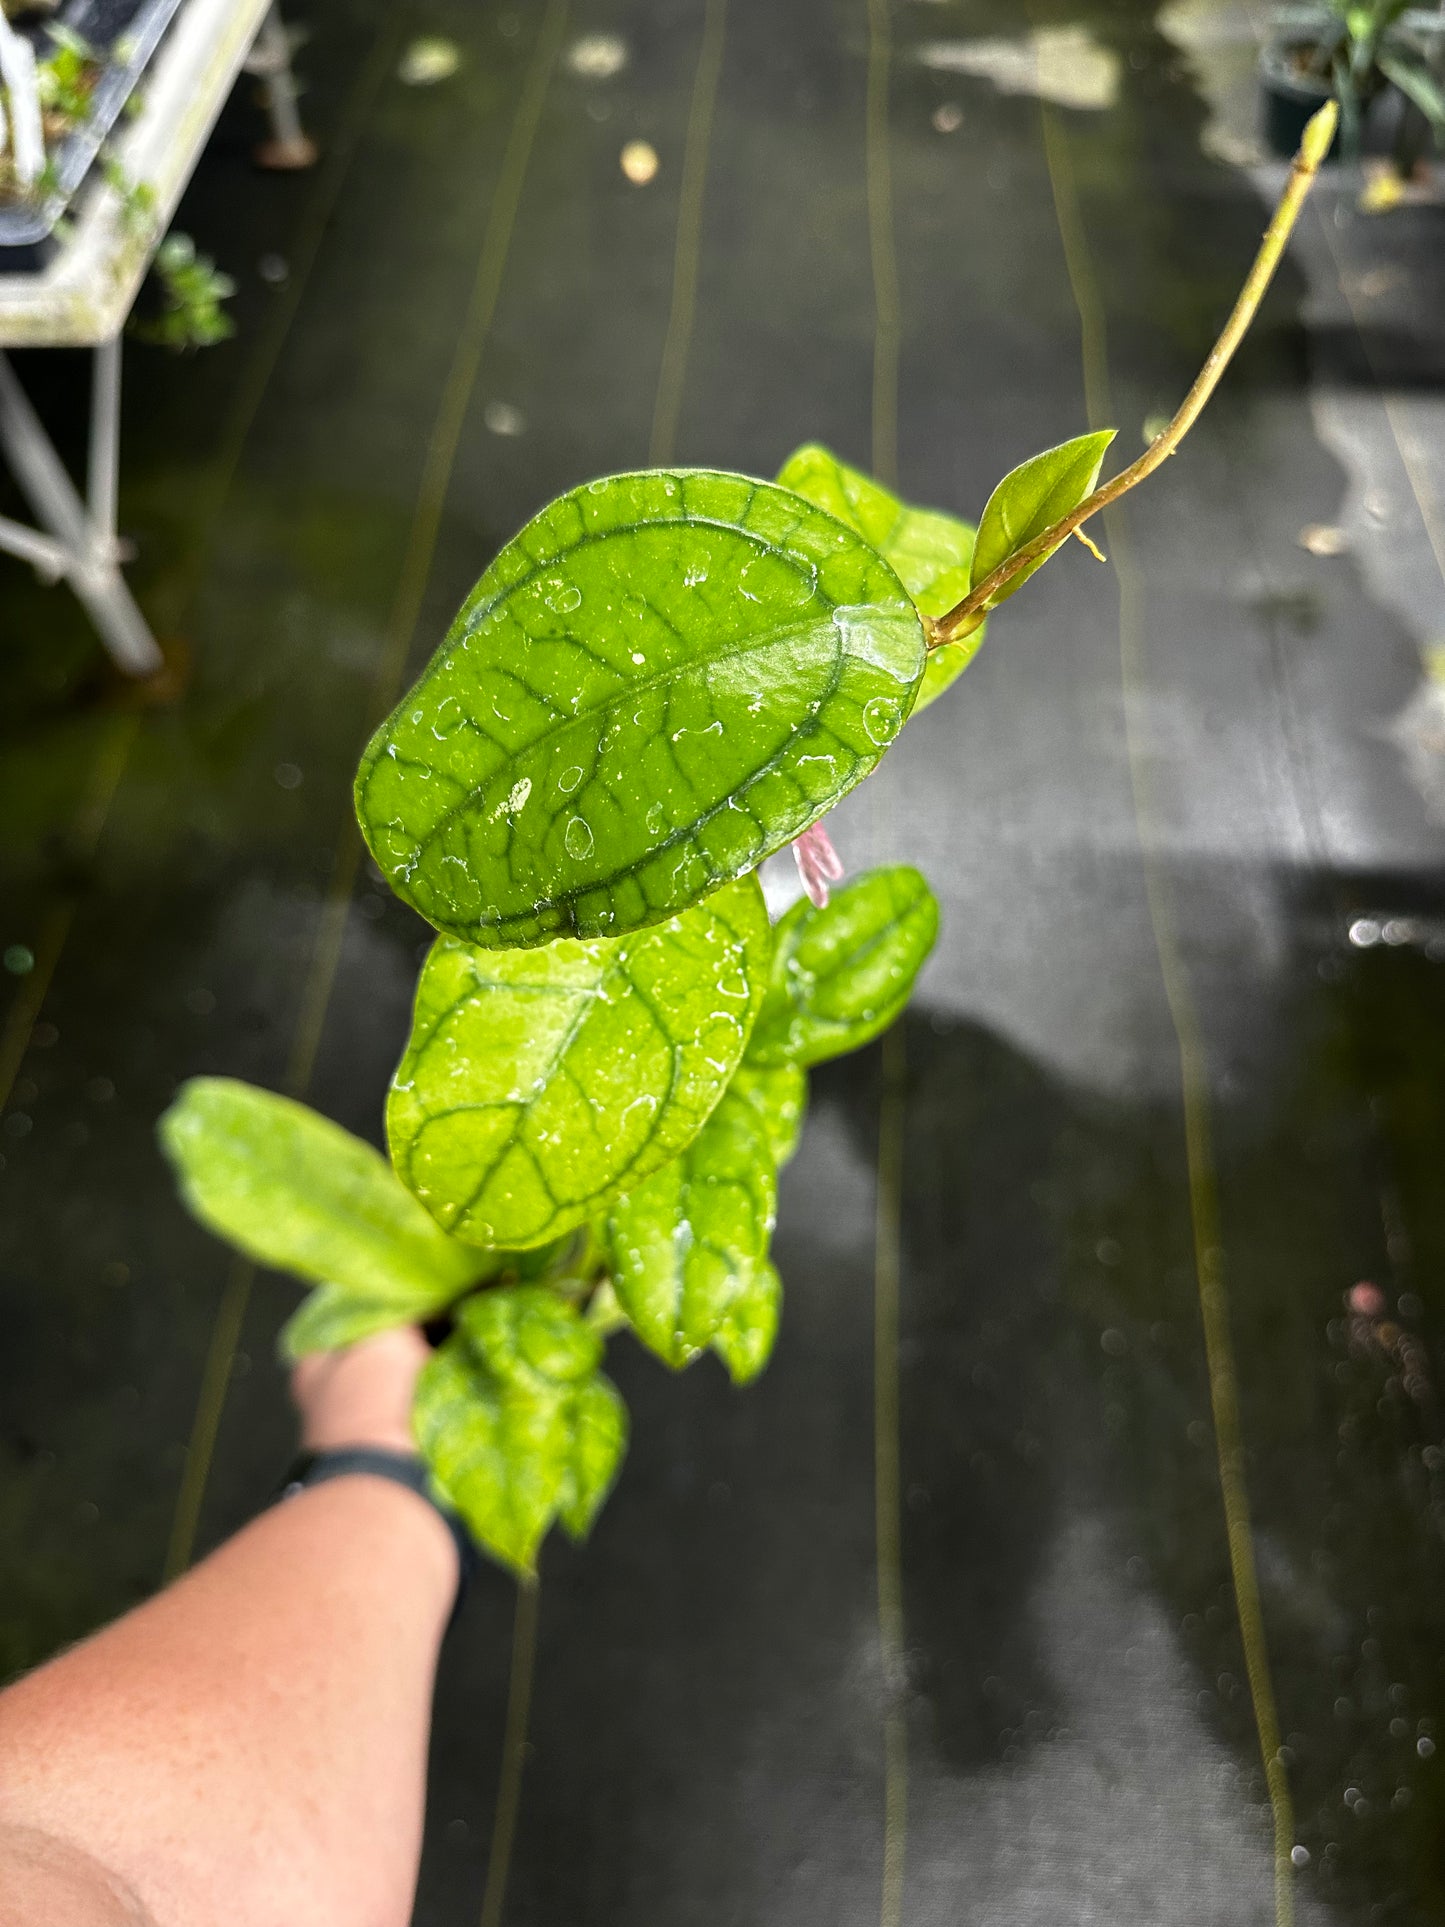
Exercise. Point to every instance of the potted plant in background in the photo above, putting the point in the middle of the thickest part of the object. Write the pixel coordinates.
(66, 76)
(1383, 60)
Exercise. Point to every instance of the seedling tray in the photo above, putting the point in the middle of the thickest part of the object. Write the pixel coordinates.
(124, 34)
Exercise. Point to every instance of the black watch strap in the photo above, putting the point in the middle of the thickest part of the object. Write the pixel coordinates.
(402, 1468)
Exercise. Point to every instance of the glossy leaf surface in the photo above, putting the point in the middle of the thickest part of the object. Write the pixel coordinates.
(296, 1191)
(685, 1244)
(928, 551)
(842, 974)
(779, 1094)
(1032, 497)
(538, 1084)
(531, 1335)
(661, 680)
(745, 1338)
(516, 1422)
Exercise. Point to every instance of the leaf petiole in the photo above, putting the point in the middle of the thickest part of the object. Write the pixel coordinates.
(966, 614)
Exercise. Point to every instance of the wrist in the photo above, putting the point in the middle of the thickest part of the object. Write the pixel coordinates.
(410, 1487)
(361, 1397)
(341, 1430)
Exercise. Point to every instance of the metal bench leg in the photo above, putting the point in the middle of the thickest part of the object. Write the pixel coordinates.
(289, 147)
(80, 538)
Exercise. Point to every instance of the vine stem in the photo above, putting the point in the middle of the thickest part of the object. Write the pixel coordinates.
(967, 614)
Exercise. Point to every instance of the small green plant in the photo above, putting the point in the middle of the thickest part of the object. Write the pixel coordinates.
(41, 101)
(66, 79)
(136, 199)
(1360, 48)
(665, 678)
(192, 289)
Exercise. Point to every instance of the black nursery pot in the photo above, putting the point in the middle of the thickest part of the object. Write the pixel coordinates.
(1288, 99)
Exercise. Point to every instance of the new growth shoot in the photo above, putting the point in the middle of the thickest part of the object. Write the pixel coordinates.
(969, 611)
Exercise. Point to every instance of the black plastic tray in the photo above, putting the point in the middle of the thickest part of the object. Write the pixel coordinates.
(125, 33)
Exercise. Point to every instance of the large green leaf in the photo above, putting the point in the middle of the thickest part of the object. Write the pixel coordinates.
(295, 1191)
(686, 1243)
(516, 1422)
(779, 1095)
(842, 974)
(664, 678)
(928, 551)
(1030, 499)
(538, 1084)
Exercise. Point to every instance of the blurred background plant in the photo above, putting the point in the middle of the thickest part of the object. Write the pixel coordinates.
(1367, 52)
(43, 98)
(192, 289)
(66, 78)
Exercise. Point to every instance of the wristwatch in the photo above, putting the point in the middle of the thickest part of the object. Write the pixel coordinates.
(402, 1468)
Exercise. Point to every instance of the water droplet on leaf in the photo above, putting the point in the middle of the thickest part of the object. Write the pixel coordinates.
(880, 719)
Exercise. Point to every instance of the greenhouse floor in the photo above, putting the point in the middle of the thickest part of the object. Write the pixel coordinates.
(1080, 1236)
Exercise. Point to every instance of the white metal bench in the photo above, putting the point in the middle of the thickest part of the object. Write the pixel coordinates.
(83, 298)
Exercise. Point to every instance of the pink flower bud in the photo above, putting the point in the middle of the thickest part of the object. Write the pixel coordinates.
(818, 864)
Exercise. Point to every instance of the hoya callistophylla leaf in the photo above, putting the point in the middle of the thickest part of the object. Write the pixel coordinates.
(1030, 499)
(685, 1244)
(928, 551)
(664, 678)
(540, 1083)
(516, 1422)
(744, 1340)
(779, 1095)
(841, 975)
(295, 1191)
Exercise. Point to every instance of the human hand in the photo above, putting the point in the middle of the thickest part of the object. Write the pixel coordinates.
(363, 1395)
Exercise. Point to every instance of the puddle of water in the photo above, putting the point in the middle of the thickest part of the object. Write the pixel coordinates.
(1065, 65)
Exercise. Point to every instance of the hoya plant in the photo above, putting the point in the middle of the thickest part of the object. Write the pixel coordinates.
(664, 679)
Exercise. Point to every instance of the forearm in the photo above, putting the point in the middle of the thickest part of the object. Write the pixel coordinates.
(315, 1630)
